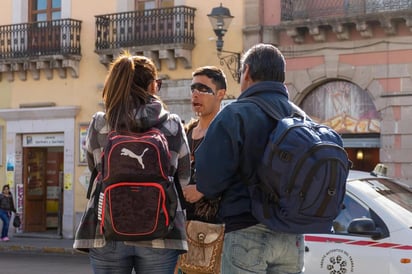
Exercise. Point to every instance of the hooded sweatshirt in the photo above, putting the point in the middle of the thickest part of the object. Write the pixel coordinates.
(152, 114)
(232, 149)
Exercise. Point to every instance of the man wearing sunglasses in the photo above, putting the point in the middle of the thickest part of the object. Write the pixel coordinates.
(208, 89)
(230, 155)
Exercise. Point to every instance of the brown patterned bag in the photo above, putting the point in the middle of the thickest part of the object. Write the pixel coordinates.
(205, 248)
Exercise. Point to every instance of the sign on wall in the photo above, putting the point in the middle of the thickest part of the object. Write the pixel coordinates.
(43, 140)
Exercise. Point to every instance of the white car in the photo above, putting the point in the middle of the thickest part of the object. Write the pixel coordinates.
(372, 234)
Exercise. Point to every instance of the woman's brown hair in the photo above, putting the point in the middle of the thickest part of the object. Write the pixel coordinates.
(127, 88)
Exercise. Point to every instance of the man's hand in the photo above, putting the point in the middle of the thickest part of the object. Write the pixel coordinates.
(191, 194)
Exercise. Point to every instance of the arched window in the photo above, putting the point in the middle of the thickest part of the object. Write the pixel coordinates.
(343, 106)
(349, 110)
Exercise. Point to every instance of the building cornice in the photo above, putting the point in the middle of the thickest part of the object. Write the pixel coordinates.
(41, 113)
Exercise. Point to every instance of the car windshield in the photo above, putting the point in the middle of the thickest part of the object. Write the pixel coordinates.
(402, 195)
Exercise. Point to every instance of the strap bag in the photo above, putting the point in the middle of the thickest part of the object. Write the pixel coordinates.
(302, 176)
(16, 221)
(207, 209)
(137, 198)
(205, 242)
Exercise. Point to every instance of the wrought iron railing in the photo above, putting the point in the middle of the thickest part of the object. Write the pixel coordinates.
(150, 27)
(310, 9)
(56, 37)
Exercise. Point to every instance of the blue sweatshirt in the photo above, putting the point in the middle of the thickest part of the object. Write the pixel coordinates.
(232, 150)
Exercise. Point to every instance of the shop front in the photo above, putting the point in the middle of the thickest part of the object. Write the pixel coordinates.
(40, 148)
(43, 164)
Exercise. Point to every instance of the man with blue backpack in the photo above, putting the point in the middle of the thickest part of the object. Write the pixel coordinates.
(257, 173)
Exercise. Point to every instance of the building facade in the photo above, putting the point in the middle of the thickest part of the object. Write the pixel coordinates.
(54, 56)
(348, 66)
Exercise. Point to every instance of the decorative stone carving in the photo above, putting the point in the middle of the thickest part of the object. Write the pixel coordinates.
(342, 32)
(364, 29)
(296, 34)
(317, 33)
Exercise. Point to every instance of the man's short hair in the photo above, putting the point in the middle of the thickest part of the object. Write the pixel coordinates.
(266, 63)
(216, 74)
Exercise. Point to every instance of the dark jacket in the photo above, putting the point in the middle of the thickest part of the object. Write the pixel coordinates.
(6, 203)
(205, 209)
(233, 148)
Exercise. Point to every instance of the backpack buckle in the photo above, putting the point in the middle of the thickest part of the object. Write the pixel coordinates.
(285, 156)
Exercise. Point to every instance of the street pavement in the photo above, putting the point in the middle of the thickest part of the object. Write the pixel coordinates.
(38, 244)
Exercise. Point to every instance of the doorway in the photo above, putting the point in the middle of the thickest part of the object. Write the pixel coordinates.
(43, 189)
(364, 159)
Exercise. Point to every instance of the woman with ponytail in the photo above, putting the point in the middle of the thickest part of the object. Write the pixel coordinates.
(131, 103)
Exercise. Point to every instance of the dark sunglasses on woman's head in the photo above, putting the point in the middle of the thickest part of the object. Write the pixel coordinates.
(159, 84)
(201, 88)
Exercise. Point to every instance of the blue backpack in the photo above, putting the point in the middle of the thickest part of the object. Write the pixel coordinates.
(301, 180)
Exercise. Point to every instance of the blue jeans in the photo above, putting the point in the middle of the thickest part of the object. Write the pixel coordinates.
(118, 258)
(5, 217)
(258, 250)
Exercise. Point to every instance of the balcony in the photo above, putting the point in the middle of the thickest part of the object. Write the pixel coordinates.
(166, 33)
(317, 17)
(46, 45)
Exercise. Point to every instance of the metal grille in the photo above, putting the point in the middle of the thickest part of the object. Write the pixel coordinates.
(56, 37)
(386, 5)
(150, 27)
(307, 9)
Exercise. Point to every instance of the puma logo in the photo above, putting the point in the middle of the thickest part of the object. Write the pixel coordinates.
(139, 158)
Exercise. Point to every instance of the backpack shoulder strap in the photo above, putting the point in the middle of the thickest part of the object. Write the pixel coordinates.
(272, 111)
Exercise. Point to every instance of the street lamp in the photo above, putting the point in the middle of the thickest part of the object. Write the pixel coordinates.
(220, 19)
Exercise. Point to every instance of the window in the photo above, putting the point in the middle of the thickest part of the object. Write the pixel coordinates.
(399, 193)
(44, 10)
(153, 22)
(44, 35)
(153, 4)
(351, 209)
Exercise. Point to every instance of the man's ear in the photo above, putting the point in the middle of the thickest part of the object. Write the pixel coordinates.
(221, 94)
(246, 75)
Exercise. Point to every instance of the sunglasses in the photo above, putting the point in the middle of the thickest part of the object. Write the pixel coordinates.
(158, 83)
(201, 88)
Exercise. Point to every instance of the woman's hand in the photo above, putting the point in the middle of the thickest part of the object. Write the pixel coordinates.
(191, 194)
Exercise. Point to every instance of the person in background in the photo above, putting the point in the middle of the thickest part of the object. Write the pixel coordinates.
(228, 158)
(131, 104)
(6, 209)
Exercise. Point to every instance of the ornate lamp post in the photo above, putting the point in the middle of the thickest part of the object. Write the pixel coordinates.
(220, 19)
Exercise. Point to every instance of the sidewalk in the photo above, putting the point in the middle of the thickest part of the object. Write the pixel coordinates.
(36, 244)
